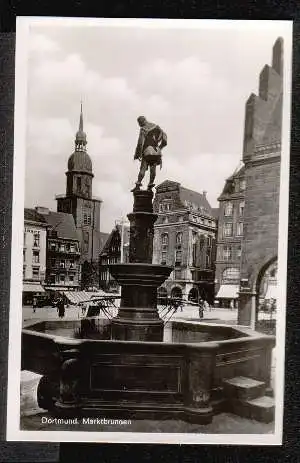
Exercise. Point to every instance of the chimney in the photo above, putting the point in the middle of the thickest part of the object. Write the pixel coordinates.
(204, 193)
(42, 210)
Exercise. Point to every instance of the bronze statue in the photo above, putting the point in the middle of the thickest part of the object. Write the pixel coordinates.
(152, 139)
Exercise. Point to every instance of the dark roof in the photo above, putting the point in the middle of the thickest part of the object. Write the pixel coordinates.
(63, 224)
(117, 230)
(196, 198)
(80, 161)
(34, 216)
(103, 239)
(238, 172)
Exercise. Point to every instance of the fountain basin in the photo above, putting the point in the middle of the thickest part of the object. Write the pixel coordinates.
(178, 378)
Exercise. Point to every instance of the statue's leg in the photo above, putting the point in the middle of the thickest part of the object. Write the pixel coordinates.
(152, 176)
(143, 168)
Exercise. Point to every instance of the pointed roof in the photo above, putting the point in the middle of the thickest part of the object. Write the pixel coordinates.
(80, 140)
(80, 161)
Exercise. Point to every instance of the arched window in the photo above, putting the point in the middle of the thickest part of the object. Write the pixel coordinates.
(231, 275)
(228, 209)
(165, 239)
(178, 238)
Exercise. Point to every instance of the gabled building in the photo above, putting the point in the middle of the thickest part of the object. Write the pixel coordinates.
(115, 250)
(185, 237)
(34, 254)
(63, 251)
(229, 238)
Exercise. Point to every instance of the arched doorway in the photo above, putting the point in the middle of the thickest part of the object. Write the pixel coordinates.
(176, 292)
(193, 295)
(266, 297)
(162, 296)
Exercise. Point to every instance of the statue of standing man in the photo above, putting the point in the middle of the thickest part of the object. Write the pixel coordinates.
(152, 139)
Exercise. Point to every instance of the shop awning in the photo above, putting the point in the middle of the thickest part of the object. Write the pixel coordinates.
(228, 292)
(33, 288)
(271, 292)
(75, 297)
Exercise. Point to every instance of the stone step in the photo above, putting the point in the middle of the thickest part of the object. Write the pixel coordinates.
(260, 409)
(243, 388)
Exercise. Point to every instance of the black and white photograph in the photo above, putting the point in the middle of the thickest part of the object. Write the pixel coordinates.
(149, 234)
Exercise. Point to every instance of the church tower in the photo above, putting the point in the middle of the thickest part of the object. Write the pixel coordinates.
(85, 208)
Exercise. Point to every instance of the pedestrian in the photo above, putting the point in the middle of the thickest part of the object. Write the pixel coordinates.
(231, 304)
(61, 308)
(201, 308)
(34, 304)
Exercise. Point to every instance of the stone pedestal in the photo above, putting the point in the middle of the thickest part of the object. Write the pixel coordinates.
(138, 318)
(246, 310)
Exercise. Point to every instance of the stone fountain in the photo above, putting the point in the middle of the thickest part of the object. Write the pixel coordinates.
(136, 367)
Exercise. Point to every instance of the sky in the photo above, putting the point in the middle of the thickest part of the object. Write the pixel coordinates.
(193, 82)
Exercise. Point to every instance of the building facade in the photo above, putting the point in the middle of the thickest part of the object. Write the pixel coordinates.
(115, 250)
(63, 251)
(261, 157)
(185, 238)
(85, 208)
(34, 255)
(229, 239)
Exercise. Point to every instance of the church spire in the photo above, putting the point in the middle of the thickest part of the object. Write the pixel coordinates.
(80, 141)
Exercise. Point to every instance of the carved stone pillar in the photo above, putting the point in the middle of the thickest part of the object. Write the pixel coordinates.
(69, 396)
(200, 365)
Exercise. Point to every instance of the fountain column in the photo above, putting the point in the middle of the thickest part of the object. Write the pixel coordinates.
(138, 318)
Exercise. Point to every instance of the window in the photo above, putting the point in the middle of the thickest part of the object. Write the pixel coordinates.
(239, 252)
(207, 260)
(178, 257)
(52, 246)
(78, 180)
(164, 257)
(36, 257)
(178, 274)
(71, 278)
(24, 240)
(227, 253)
(160, 208)
(166, 220)
(231, 275)
(68, 247)
(84, 219)
(35, 273)
(52, 279)
(239, 231)
(165, 239)
(24, 255)
(53, 262)
(89, 220)
(24, 272)
(62, 278)
(180, 219)
(62, 263)
(178, 238)
(242, 185)
(228, 209)
(241, 208)
(72, 248)
(36, 240)
(62, 248)
(72, 263)
(227, 229)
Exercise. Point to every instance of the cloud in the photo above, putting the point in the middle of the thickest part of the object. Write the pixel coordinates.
(194, 86)
(40, 44)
